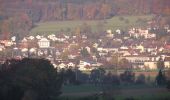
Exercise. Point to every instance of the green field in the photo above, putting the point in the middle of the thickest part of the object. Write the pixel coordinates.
(159, 96)
(117, 22)
(138, 92)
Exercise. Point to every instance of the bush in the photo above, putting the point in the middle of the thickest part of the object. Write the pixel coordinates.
(127, 77)
(129, 98)
(127, 21)
(140, 79)
(160, 78)
(168, 85)
(121, 18)
(29, 79)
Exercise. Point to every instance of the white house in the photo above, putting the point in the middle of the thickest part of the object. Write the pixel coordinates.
(31, 37)
(84, 65)
(38, 37)
(150, 64)
(2, 47)
(62, 65)
(44, 43)
(70, 64)
(167, 62)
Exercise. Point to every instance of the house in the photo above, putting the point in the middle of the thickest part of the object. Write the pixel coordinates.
(109, 34)
(52, 37)
(62, 65)
(44, 43)
(95, 45)
(118, 31)
(138, 32)
(32, 50)
(167, 62)
(71, 64)
(140, 47)
(31, 37)
(150, 65)
(108, 49)
(39, 37)
(13, 38)
(24, 49)
(141, 61)
(153, 64)
(85, 65)
(2, 47)
(6, 43)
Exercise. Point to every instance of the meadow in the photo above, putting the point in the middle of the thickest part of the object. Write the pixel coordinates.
(138, 92)
(116, 22)
(147, 91)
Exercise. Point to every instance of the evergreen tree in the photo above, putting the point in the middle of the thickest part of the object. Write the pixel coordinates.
(160, 79)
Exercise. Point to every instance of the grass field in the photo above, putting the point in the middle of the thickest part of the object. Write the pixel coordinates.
(80, 88)
(117, 22)
(138, 92)
(92, 88)
(159, 96)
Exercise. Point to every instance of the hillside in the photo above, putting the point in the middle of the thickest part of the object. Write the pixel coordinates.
(117, 22)
(19, 17)
(49, 10)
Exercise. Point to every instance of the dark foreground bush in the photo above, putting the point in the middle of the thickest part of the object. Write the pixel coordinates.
(29, 79)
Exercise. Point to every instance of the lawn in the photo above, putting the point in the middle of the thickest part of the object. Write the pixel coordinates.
(117, 22)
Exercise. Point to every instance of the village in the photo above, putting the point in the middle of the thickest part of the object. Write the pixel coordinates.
(136, 49)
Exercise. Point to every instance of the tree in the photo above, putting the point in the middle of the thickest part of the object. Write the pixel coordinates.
(82, 77)
(97, 75)
(115, 60)
(160, 78)
(84, 52)
(160, 64)
(124, 63)
(86, 29)
(70, 76)
(140, 79)
(105, 10)
(168, 85)
(64, 55)
(168, 79)
(5, 29)
(33, 78)
(78, 32)
(127, 77)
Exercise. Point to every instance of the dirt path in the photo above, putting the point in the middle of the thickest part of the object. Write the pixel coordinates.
(125, 92)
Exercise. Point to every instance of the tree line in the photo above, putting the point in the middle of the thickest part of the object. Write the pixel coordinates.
(37, 79)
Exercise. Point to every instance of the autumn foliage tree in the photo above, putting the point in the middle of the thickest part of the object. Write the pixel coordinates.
(88, 9)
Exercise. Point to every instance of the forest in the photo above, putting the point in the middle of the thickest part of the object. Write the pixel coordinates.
(23, 14)
(43, 10)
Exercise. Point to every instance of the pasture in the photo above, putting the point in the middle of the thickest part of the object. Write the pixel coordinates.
(138, 92)
(117, 22)
(147, 91)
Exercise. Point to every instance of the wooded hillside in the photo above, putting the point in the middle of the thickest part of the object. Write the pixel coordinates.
(20, 16)
(43, 10)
